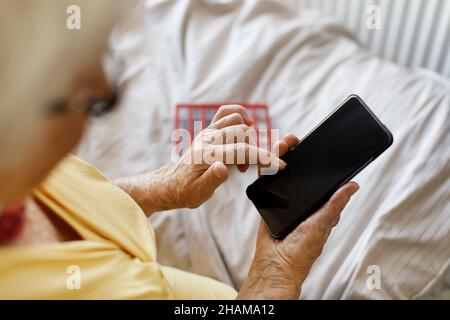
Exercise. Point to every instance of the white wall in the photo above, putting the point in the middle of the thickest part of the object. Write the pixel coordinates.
(414, 33)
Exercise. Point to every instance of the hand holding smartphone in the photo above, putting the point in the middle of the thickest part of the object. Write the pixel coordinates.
(342, 145)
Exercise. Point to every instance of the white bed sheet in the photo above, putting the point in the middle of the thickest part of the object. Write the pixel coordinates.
(302, 65)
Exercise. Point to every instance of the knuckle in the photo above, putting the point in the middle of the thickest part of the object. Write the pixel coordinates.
(244, 128)
(335, 206)
(238, 130)
(336, 220)
(241, 146)
(318, 229)
(237, 117)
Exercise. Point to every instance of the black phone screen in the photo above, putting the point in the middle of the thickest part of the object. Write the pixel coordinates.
(328, 157)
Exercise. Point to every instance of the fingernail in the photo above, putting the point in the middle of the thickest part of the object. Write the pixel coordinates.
(282, 164)
(217, 170)
(355, 189)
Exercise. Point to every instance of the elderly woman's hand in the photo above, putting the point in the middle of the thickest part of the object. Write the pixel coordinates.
(229, 140)
(279, 267)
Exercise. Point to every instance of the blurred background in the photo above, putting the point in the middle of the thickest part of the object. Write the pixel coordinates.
(413, 33)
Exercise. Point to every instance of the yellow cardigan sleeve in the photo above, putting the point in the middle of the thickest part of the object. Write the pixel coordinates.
(116, 258)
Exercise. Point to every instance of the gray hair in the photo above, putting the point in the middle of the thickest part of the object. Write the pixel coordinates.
(37, 49)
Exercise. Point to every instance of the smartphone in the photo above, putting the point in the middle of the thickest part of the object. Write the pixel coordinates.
(335, 151)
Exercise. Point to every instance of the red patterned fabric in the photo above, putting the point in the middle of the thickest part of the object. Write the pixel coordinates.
(188, 113)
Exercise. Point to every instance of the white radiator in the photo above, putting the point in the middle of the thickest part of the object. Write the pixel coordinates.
(413, 33)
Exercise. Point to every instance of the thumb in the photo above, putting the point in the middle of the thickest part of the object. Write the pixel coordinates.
(331, 211)
(319, 225)
(213, 177)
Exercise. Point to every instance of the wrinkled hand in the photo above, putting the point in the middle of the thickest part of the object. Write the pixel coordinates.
(229, 140)
(279, 267)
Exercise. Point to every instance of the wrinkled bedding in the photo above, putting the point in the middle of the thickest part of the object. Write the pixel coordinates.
(302, 65)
